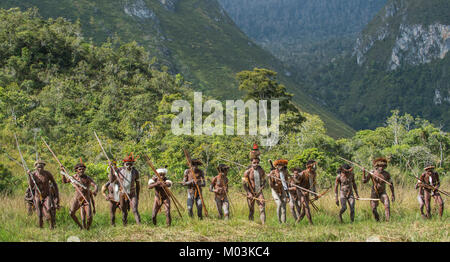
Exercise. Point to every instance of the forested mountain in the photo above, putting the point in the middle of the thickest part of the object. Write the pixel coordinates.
(303, 33)
(399, 61)
(193, 37)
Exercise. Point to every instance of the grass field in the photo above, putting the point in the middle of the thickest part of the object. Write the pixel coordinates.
(406, 223)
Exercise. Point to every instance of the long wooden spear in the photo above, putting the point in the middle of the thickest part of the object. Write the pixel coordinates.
(188, 159)
(253, 198)
(25, 167)
(299, 187)
(361, 167)
(427, 185)
(164, 187)
(74, 183)
(111, 166)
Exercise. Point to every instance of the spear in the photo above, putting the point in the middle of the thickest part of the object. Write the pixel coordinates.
(25, 167)
(253, 198)
(302, 188)
(164, 187)
(361, 167)
(188, 159)
(113, 168)
(233, 162)
(367, 199)
(74, 183)
(13, 159)
(322, 194)
(427, 185)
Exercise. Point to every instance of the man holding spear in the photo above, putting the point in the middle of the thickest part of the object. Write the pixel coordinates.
(346, 180)
(278, 181)
(303, 183)
(194, 179)
(219, 185)
(129, 189)
(161, 183)
(41, 182)
(82, 198)
(380, 177)
(254, 181)
(429, 187)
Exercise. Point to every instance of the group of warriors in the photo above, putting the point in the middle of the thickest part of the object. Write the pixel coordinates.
(296, 188)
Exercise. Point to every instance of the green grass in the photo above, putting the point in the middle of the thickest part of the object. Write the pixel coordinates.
(406, 223)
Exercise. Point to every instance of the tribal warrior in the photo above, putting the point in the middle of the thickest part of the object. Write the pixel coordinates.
(346, 180)
(219, 186)
(194, 185)
(307, 180)
(129, 189)
(83, 196)
(294, 200)
(278, 181)
(161, 197)
(429, 180)
(379, 187)
(254, 181)
(45, 202)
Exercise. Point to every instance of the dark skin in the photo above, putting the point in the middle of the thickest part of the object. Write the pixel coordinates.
(44, 202)
(427, 192)
(219, 185)
(194, 187)
(134, 195)
(302, 179)
(379, 190)
(346, 181)
(79, 201)
(250, 189)
(189, 180)
(161, 198)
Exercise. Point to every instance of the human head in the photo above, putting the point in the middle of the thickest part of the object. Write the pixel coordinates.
(196, 163)
(280, 164)
(295, 171)
(39, 165)
(380, 163)
(128, 161)
(346, 168)
(223, 169)
(311, 165)
(162, 171)
(80, 168)
(255, 162)
(429, 169)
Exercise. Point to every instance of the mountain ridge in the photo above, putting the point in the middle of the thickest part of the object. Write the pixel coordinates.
(195, 38)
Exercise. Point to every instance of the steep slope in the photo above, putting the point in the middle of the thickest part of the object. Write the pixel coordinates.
(399, 61)
(193, 37)
(303, 32)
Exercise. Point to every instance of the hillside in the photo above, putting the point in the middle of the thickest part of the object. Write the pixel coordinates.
(303, 33)
(399, 61)
(195, 38)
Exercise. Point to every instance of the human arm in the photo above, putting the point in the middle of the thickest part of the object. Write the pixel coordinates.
(337, 182)
(212, 185)
(55, 185)
(391, 186)
(365, 177)
(354, 185)
(94, 185)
